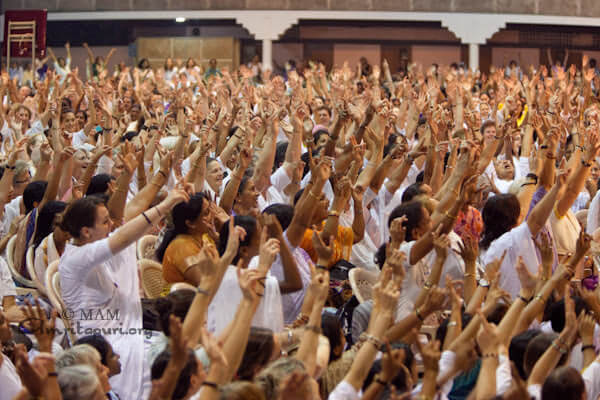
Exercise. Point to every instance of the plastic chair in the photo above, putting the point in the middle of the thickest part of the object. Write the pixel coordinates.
(146, 246)
(153, 282)
(362, 282)
(10, 251)
(55, 297)
(30, 263)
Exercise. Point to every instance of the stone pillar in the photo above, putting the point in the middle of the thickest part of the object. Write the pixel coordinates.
(473, 56)
(267, 54)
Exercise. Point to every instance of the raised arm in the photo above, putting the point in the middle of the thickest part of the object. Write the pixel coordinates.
(91, 56)
(305, 207)
(231, 190)
(577, 180)
(385, 296)
(145, 196)
(541, 212)
(307, 353)
(136, 227)
(562, 345)
(116, 203)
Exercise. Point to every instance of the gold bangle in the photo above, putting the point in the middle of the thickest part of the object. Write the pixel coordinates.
(469, 274)
(333, 214)
(427, 286)
(310, 193)
(418, 314)
(447, 214)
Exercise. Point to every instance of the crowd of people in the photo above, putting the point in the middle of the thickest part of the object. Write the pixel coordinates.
(336, 234)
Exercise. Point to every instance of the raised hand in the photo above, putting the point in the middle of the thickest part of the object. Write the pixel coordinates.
(395, 261)
(431, 354)
(207, 261)
(43, 328)
(398, 231)
(586, 324)
(584, 242)
(493, 268)
(249, 281)
(269, 248)
(528, 281)
(488, 337)
(436, 300)
(324, 250)
(544, 246)
(441, 243)
(213, 347)
(469, 249)
(46, 152)
(66, 154)
(236, 233)
(176, 196)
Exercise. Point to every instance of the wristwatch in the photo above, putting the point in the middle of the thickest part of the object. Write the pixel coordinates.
(484, 283)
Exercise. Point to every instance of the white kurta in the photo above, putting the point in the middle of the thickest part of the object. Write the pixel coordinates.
(593, 217)
(223, 307)
(292, 302)
(417, 274)
(94, 280)
(516, 242)
(10, 383)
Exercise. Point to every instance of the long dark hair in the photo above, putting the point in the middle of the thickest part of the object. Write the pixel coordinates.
(413, 210)
(182, 212)
(45, 220)
(250, 226)
(500, 214)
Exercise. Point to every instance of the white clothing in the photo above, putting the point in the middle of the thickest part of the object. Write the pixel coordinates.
(79, 139)
(565, 232)
(593, 217)
(503, 375)
(9, 379)
(93, 280)
(279, 181)
(292, 302)
(223, 307)
(446, 364)
(344, 391)
(272, 196)
(516, 242)
(63, 72)
(417, 274)
(591, 378)
(581, 201)
(11, 211)
(7, 284)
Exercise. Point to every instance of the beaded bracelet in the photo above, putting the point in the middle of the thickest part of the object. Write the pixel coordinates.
(374, 341)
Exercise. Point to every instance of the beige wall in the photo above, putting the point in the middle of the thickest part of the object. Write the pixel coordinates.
(442, 55)
(224, 49)
(282, 52)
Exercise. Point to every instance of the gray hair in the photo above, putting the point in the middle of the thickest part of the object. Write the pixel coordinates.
(78, 382)
(271, 377)
(77, 355)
